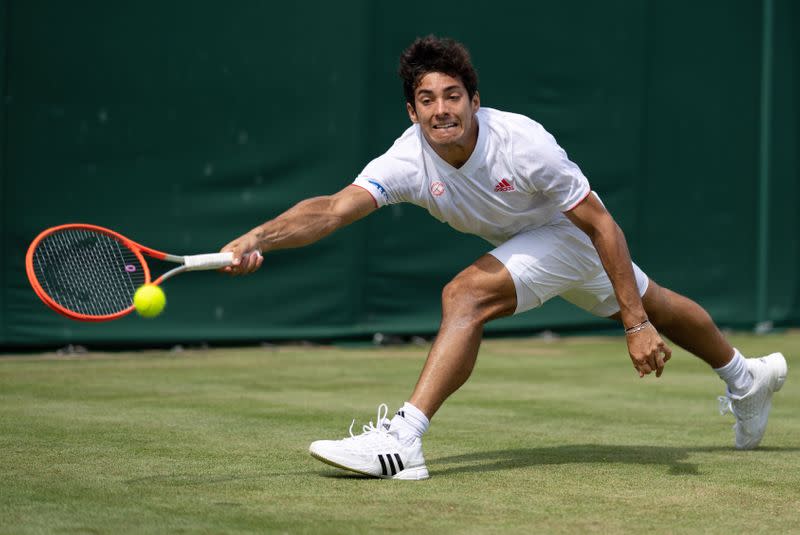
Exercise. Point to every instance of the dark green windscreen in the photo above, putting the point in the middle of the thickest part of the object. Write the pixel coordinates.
(183, 126)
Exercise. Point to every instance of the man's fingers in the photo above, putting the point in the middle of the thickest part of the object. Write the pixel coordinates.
(246, 263)
(249, 262)
(236, 264)
(243, 263)
(649, 353)
(229, 269)
(659, 363)
(652, 361)
(663, 354)
(644, 368)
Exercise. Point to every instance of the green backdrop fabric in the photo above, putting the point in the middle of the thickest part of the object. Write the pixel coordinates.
(183, 125)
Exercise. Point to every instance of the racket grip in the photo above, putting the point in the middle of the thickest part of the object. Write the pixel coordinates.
(198, 262)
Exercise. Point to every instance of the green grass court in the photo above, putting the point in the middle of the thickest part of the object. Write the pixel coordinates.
(558, 437)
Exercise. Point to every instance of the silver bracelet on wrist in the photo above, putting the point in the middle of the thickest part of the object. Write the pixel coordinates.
(638, 327)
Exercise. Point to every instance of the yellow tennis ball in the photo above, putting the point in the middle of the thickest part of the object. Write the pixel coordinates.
(149, 300)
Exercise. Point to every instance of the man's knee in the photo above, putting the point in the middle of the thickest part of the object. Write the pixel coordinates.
(480, 293)
(461, 297)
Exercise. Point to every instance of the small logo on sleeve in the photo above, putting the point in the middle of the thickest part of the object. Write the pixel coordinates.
(504, 185)
(379, 187)
(437, 188)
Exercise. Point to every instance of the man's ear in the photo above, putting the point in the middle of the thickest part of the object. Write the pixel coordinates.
(412, 113)
(476, 102)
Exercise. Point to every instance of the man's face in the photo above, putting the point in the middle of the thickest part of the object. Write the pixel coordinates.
(444, 110)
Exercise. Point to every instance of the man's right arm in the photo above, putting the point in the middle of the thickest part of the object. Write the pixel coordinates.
(303, 224)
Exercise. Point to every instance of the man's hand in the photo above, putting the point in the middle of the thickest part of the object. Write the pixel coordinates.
(648, 351)
(246, 255)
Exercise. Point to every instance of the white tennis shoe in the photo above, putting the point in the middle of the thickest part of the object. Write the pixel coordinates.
(752, 409)
(376, 452)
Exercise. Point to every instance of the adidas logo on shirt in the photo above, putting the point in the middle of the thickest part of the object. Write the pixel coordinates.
(504, 185)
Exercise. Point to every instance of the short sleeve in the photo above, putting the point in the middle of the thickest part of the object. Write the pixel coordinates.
(389, 178)
(545, 167)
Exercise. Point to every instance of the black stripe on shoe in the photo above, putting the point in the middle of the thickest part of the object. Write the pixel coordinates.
(399, 462)
(383, 464)
(391, 464)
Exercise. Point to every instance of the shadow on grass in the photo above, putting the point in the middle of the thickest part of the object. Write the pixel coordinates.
(341, 474)
(191, 479)
(674, 459)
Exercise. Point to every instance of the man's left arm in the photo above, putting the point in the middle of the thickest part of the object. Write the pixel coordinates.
(646, 348)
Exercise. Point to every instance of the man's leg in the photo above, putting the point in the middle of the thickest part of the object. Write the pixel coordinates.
(482, 292)
(393, 448)
(751, 382)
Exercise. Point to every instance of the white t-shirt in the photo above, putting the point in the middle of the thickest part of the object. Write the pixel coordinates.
(517, 178)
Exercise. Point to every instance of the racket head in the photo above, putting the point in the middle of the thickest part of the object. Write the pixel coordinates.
(86, 272)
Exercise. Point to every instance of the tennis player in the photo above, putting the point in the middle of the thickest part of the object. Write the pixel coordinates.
(503, 177)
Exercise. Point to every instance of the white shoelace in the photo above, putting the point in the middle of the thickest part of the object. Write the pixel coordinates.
(383, 411)
(725, 405)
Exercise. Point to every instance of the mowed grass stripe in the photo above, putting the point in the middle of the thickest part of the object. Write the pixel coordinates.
(547, 436)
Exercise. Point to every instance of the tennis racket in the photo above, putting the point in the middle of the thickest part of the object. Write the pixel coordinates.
(90, 273)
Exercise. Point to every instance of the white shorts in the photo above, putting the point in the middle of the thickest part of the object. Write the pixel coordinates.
(560, 259)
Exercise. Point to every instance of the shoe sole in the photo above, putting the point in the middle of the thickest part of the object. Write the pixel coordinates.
(417, 473)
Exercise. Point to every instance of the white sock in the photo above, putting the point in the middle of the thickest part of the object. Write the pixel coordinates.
(736, 375)
(409, 423)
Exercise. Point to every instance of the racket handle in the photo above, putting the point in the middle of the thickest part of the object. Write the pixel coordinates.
(207, 261)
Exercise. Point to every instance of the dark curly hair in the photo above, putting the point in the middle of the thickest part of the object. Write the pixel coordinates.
(434, 54)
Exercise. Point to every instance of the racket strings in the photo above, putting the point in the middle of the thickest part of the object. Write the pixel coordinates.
(87, 272)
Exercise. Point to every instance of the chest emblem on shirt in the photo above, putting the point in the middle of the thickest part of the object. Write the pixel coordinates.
(504, 185)
(437, 188)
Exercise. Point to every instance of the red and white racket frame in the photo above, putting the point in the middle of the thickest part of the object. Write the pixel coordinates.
(188, 263)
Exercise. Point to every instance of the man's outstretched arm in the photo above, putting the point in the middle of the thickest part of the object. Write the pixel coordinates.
(647, 350)
(305, 223)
